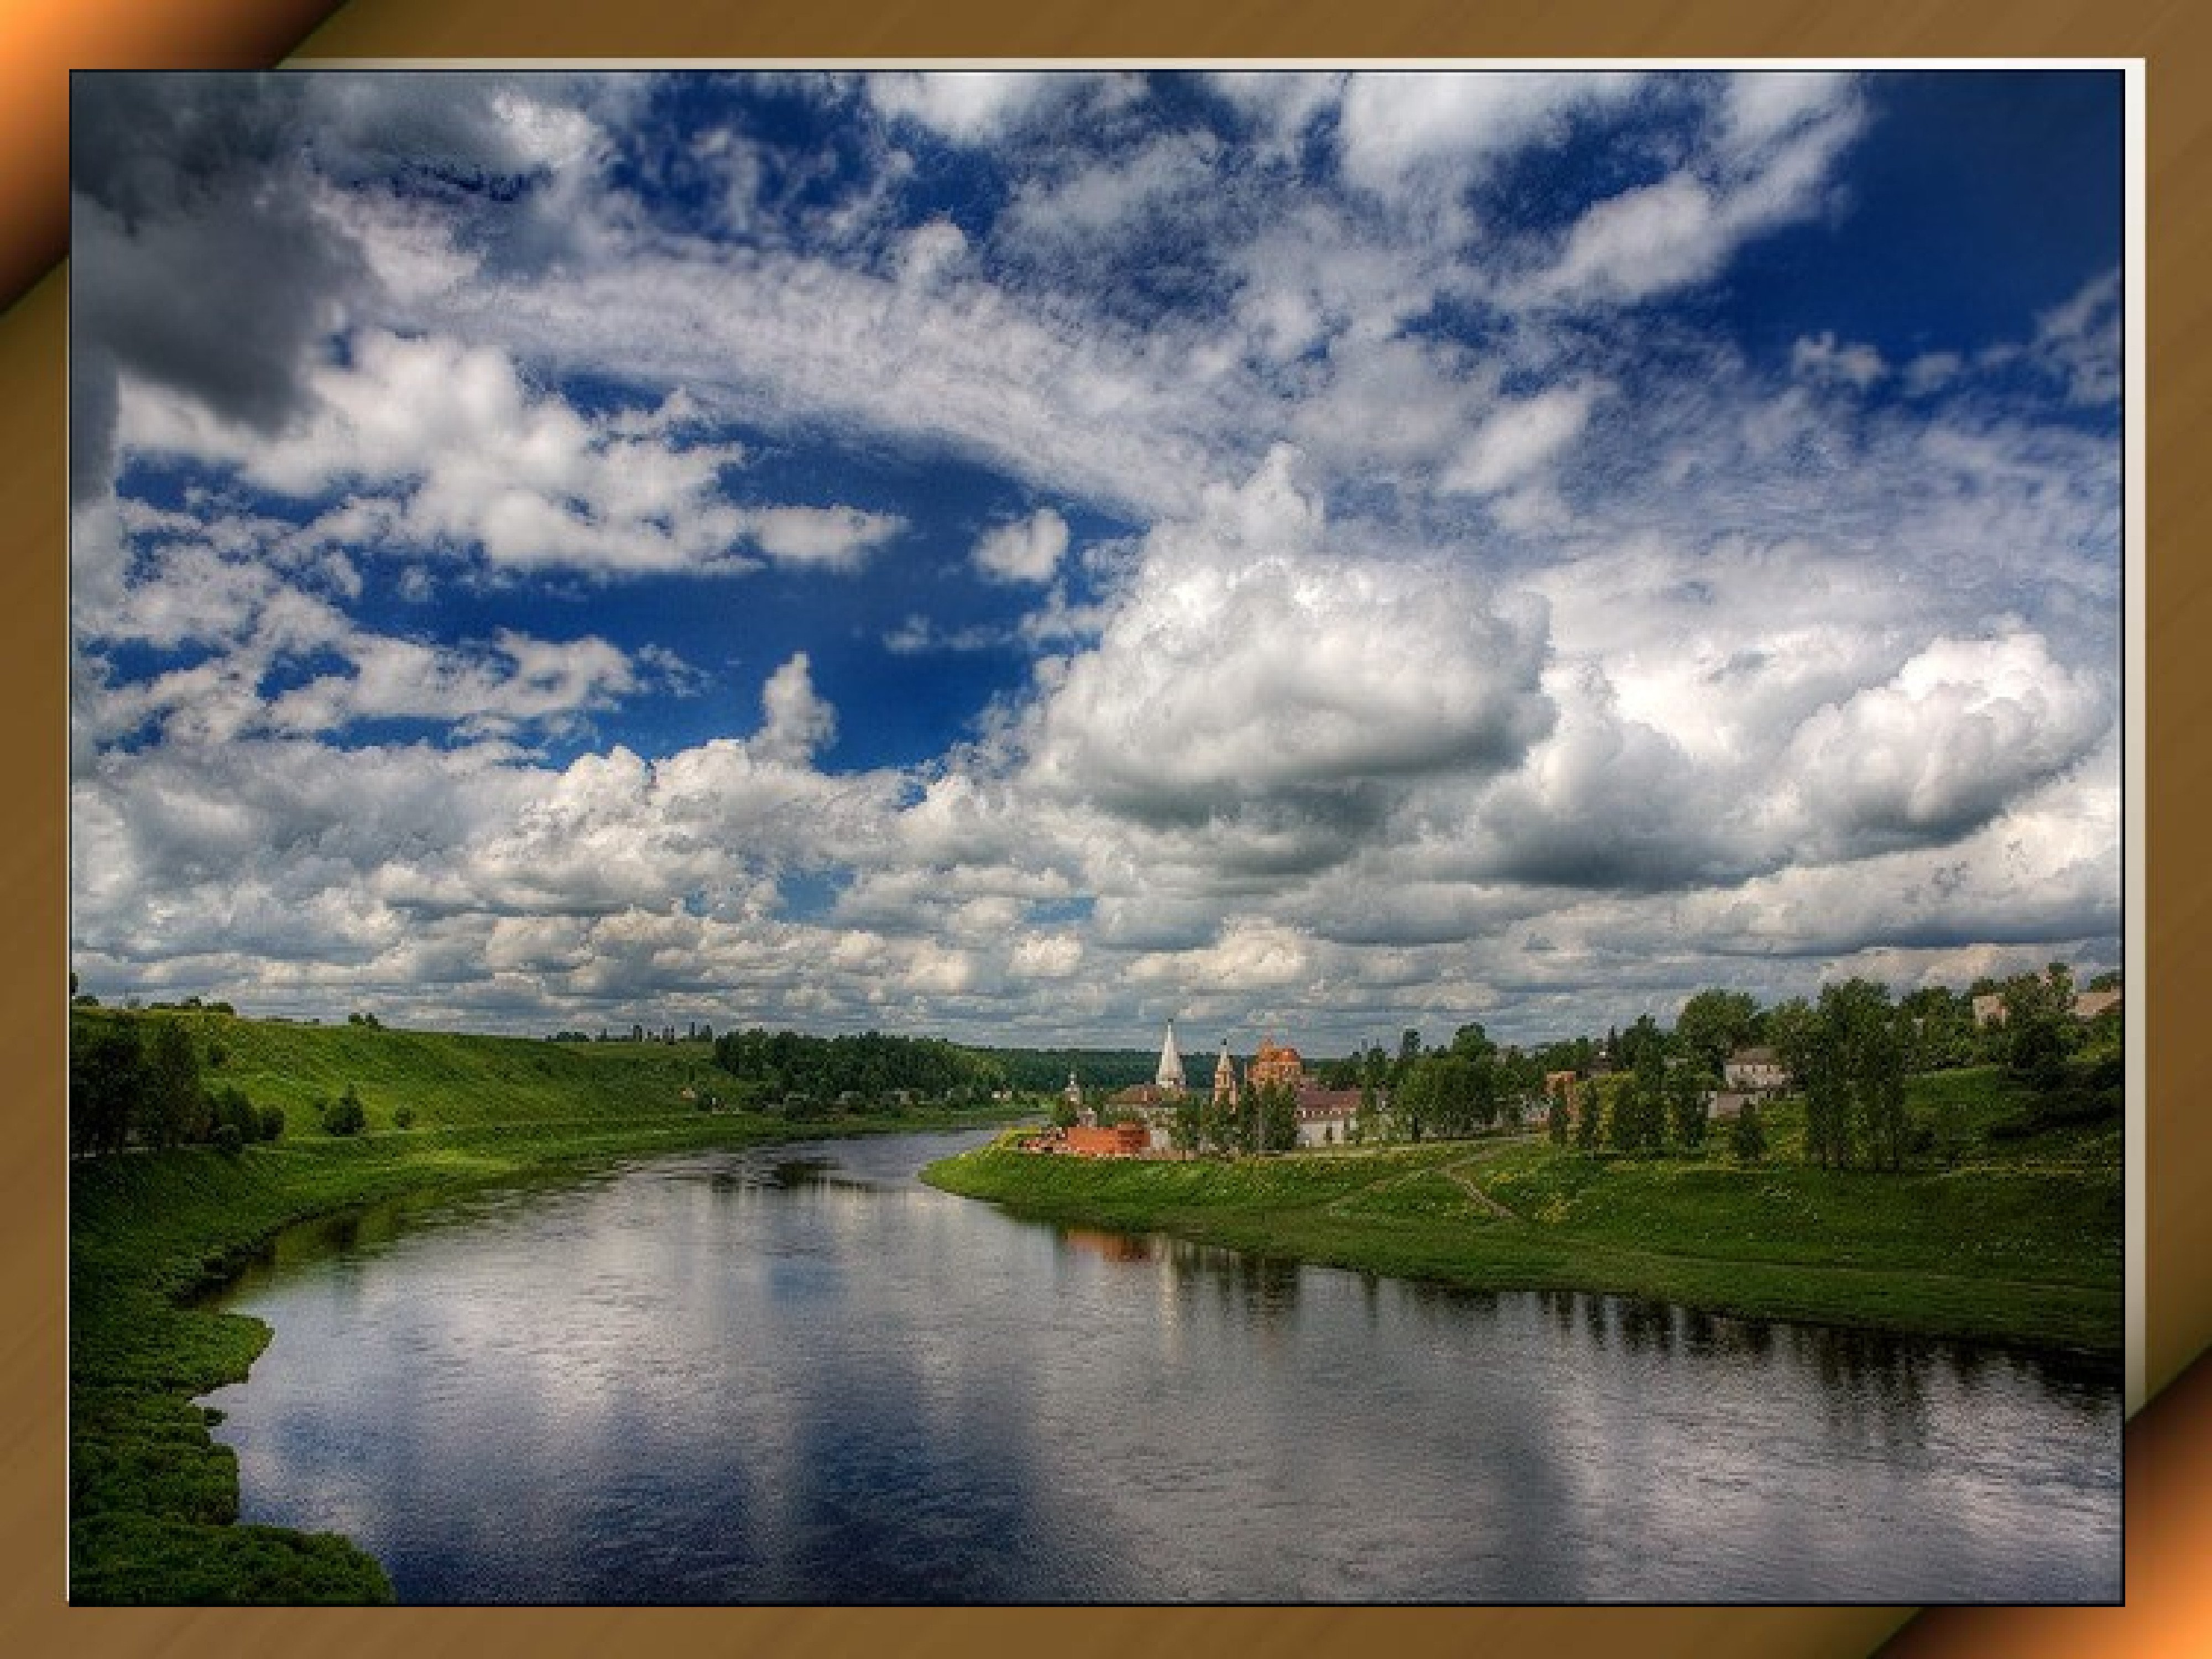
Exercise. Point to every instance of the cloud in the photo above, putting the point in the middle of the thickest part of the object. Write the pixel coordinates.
(1482, 631)
(460, 451)
(1246, 666)
(1047, 956)
(966, 106)
(1820, 359)
(1519, 439)
(1027, 550)
(830, 539)
(1965, 727)
(522, 682)
(1770, 147)
(2081, 341)
(797, 722)
(1089, 204)
(1397, 123)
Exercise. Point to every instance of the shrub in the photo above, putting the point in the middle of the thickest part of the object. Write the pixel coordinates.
(404, 1117)
(227, 1141)
(271, 1122)
(346, 1116)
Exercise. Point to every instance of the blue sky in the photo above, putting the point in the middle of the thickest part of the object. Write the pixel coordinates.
(1021, 556)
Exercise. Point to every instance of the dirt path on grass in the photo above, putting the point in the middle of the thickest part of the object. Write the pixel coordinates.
(1450, 1172)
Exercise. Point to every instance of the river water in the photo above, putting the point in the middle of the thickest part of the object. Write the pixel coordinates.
(796, 1375)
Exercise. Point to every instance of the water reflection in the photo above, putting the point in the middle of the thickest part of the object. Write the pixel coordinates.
(802, 1376)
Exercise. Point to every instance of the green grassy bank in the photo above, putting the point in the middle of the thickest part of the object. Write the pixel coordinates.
(2018, 1239)
(152, 1499)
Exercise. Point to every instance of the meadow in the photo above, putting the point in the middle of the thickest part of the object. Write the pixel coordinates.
(2013, 1235)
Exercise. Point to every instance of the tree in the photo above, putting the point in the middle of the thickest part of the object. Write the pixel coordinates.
(347, 1116)
(1748, 1140)
(1187, 1134)
(1938, 1029)
(1275, 1107)
(1686, 1085)
(229, 1108)
(1596, 1102)
(107, 1078)
(1555, 1118)
(1472, 1043)
(1712, 1025)
(174, 1105)
(1849, 1058)
(2039, 1025)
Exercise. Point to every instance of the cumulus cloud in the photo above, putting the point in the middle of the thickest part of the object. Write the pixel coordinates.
(455, 449)
(797, 721)
(831, 539)
(1027, 550)
(1964, 727)
(1246, 664)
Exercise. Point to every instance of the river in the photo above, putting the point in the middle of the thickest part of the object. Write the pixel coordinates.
(798, 1375)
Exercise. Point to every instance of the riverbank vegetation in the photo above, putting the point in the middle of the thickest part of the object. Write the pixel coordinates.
(164, 1208)
(2010, 1231)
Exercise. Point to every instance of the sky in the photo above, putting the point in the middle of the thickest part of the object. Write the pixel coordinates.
(1021, 556)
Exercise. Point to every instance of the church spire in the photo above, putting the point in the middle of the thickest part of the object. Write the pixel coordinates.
(1170, 1074)
(1225, 1078)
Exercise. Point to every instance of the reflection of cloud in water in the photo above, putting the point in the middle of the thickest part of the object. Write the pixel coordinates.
(750, 1377)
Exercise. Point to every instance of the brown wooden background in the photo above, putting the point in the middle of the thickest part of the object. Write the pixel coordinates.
(2169, 1490)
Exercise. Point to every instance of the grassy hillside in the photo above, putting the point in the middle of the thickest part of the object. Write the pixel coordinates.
(152, 1497)
(2019, 1240)
(450, 1081)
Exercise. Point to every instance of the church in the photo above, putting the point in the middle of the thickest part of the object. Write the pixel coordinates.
(1326, 1117)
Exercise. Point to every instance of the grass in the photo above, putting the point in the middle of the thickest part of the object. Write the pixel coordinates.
(2018, 1241)
(153, 1500)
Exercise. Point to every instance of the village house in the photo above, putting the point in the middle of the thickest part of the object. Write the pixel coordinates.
(1755, 1071)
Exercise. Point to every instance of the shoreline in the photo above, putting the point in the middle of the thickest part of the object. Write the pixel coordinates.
(1334, 1209)
(156, 1238)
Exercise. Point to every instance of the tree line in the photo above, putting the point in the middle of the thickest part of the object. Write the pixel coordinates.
(872, 1067)
(128, 1086)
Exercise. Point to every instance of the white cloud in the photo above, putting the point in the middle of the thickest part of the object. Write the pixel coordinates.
(1963, 727)
(1766, 161)
(1027, 550)
(1519, 439)
(2081, 341)
(1247, 663)
(1819, 358)
(523, 682)
(797, 722)
(1098, 201)
(1047, 956)
(968, 106)
(1644, 241)
(1395, 123)
(831, 539)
